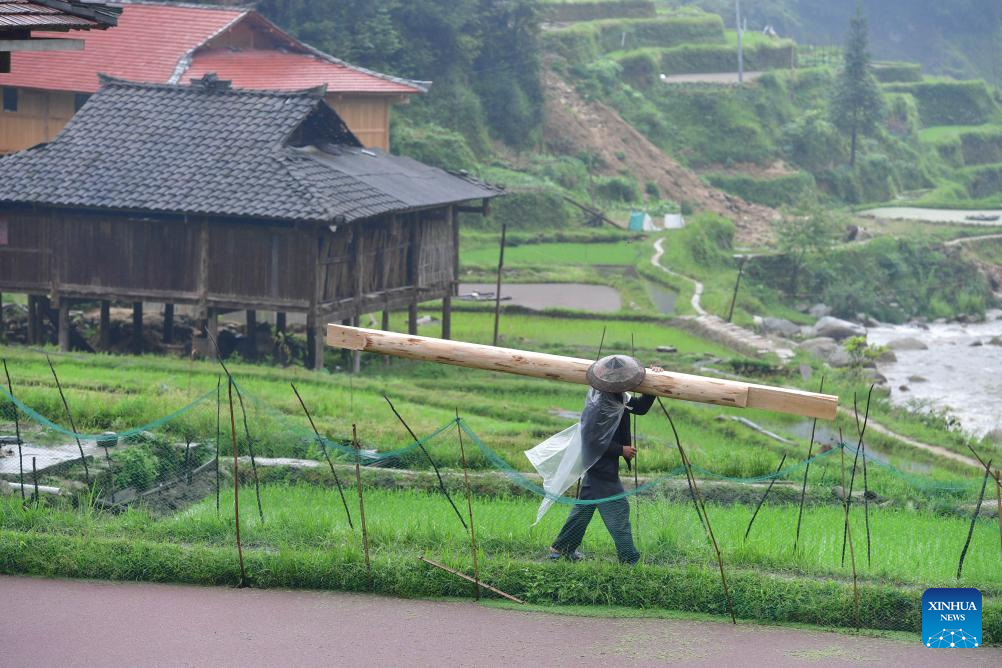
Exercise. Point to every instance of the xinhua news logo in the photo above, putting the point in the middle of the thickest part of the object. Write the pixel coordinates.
(951, 618)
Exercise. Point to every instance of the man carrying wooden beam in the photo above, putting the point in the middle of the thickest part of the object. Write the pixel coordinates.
(604, 434)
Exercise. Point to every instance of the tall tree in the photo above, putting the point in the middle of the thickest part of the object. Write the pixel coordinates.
(857, 105)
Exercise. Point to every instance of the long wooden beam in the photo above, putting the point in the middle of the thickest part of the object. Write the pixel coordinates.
(572, 370)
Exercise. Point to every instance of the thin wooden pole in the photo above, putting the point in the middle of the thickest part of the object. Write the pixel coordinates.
(852, 551)
(974, 519)
(855, 461)
(236, 481)
(702, 507)
(866, 484)
(737, 286)
(69, 416)
(497, 292)
(64, 325)
(764, 497)
(469, 507)
(468, 578)
(361, 501)
(34, 479)
(634, 465)
(17, 431)
(323, 448)
(219, 382)
(807, 469)
(441, 484)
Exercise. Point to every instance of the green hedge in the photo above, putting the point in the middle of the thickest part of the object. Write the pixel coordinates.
(598, 9)
(642, 67)
(982, 147)
(539, 209)
(585, 42)
(946, 102)
(897, 72)
(983, 180)
(782, 190)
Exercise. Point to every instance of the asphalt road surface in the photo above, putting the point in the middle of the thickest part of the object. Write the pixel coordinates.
(84, 623)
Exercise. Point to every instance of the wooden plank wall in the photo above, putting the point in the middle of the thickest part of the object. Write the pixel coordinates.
(39, 117)
(24, 259)
(367, 117)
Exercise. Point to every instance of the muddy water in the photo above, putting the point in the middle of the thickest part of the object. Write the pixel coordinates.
(955, 373)
(539, 296)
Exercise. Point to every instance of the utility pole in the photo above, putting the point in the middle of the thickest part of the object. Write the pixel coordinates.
(741, 51)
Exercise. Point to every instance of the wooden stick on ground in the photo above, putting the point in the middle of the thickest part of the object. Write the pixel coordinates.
(69, 416)
(361, 500)
(34, 479)
(735, 394)
(323, 448)
(236, 482)
(469, 507)
(441, 484)
(702, 507)
(17, 431)
(468, 578)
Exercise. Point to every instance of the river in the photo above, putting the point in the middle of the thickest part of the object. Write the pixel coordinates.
(955, 373)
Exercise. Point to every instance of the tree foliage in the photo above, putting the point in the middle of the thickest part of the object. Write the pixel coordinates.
(487, 47)
(857, 105)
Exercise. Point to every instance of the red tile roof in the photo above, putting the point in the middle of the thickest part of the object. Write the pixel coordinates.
(282, 70)
(157, 44)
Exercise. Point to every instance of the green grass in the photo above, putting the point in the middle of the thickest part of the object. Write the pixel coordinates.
(623, 253)
(305, 542)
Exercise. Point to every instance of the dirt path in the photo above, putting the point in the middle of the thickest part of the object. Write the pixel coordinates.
(81, 623)
(918, 445)
(697, 287)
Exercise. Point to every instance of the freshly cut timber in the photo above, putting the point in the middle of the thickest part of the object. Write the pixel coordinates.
(573, 370)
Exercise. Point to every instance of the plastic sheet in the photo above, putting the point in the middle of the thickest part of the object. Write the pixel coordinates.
(563, 458)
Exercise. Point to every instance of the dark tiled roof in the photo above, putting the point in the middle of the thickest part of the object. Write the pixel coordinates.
(58, 15)
(205, 149)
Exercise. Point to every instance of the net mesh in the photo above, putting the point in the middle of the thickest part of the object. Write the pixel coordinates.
(169, 481)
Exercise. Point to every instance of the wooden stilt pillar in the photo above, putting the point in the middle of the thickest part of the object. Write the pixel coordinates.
(104, 329)
(212, 327)
(279, 322)
(32, 320)
(45, 310)
(412, 318)
(168, 323)
(137, 328)
(447, 317)
(250, 330)
(315, 345)
(385, 326)
(64, 325)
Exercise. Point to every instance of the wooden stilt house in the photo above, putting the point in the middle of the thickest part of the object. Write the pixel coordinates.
(228, 199)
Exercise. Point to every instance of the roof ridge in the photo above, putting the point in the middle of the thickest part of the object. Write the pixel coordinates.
(184, 5)
(316, 92)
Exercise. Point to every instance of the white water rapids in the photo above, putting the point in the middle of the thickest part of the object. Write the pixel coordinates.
(959, 376)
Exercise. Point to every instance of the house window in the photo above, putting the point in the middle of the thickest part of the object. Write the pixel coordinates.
(9, 99)
(79, 100)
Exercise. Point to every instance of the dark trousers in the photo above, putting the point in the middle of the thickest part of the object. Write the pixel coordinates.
(615, 514)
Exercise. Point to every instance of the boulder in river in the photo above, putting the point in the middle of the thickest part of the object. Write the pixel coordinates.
(821, 347)
(995, 341)
(917, 379)
(836, 328)
(819, 311)
(907, 343)
(780, 326)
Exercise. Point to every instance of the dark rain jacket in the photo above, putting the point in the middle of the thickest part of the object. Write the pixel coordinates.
(602, 479)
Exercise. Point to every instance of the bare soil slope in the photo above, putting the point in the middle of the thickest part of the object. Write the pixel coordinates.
(574, 125)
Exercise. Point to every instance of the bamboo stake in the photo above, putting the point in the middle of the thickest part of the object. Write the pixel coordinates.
(236, 482)
(69, 416)
(634, 466)
(497, 294)
(764, 497)
(441, 484)
(807, 469)
(469, 507)
(702, 507)
(34, 479)
(855, 460)
(852, 551)
(218, 383)
(243, 413)
(17, 430)
(998, 489)
(468, 578)
(323, 448)
(866, 485)
(361, 501)
(974, 518)
(687, 387)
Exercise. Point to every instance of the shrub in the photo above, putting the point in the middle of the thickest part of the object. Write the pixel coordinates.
(897, 72)
(948, 102)
(434, 145)
(528, 210)
(783, 190)
(599, 9)
(136, 467)
(617, 189)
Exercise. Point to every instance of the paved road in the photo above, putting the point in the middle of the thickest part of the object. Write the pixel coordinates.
(955, 216)
(81, 623)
